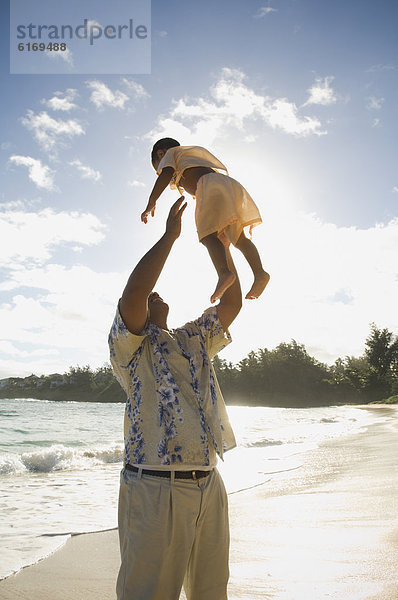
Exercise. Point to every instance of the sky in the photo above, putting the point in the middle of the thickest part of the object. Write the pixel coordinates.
(298, 98)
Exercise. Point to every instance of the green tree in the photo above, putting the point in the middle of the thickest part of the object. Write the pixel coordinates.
(227, 376)
(381, 350)
(293, 374)
(80, 377)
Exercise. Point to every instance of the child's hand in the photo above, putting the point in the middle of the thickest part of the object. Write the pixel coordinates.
(150, 210)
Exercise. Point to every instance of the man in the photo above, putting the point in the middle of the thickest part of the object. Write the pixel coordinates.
(173, 509)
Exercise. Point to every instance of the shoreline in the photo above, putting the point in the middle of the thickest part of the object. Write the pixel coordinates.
(273, 532)
(68, 536)
(118, 397)
(83, 567)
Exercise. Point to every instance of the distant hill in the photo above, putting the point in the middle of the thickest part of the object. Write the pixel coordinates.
(79, 385)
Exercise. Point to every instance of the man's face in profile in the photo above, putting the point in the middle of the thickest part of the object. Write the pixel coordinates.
(158, 309)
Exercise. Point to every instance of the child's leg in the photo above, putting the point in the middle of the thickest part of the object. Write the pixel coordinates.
(261, 277)
(217, 254)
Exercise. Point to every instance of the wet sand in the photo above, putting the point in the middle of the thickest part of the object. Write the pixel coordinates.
(327, 532)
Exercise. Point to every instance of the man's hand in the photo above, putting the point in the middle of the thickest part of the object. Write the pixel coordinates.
(150, 210)
(173, 225)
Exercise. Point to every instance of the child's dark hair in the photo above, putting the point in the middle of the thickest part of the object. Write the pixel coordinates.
(163, 144)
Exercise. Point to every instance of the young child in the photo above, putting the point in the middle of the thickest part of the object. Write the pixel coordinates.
(222, 205)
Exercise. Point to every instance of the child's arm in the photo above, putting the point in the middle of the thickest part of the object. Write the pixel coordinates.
(160, 185)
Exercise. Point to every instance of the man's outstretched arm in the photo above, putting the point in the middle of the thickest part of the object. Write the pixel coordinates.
(134, 302)
(231, 301)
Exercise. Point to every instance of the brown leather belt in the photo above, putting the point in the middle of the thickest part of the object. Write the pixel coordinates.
(177, 474)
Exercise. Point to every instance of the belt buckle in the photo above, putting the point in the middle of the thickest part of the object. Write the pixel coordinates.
(194, 475)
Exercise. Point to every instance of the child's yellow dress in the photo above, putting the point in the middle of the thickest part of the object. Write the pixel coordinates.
(222, 203)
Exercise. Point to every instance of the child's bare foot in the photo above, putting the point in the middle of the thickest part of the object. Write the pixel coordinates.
(260, 281)
(224, 281)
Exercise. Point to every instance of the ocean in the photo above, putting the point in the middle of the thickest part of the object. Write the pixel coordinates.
(60, 464)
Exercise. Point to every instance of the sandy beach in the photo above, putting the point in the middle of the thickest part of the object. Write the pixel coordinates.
(333, 538)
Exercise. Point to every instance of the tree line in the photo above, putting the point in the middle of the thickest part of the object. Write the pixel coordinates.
(286, 376)
(289, 376)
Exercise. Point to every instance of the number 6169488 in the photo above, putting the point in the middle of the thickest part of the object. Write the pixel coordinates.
(41, 47)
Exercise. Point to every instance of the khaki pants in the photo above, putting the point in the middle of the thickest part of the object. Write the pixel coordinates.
(172, 532)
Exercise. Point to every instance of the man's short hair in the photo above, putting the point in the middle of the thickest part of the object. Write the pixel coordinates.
(163, 144)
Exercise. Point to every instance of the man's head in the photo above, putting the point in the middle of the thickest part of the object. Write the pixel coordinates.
(159, 150)
(158, 310)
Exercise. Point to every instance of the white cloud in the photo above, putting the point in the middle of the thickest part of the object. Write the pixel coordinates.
(136, 183)
(321, 92)
(71, 315)
(395, 189)
(381, 67)
(86, 171)
(103, 96)
(180, 131)
(9, 348)
(376, 122)
(93, 23)
(12, 205)
(31, 237)
(50, 132)
(374, 103)
(138, 90)
(57, 316)
(232, 103)
(265, 10)
(40, 174)
(65, 55)
(250, 139)
(283, 115)
(62, 100)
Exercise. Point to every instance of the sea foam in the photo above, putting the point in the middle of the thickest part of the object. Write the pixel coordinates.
(59, 458)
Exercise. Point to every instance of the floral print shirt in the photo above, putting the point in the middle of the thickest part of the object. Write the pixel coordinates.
(175, 416)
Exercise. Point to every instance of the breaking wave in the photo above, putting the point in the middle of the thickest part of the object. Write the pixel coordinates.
(59, 458)
(264, 443)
